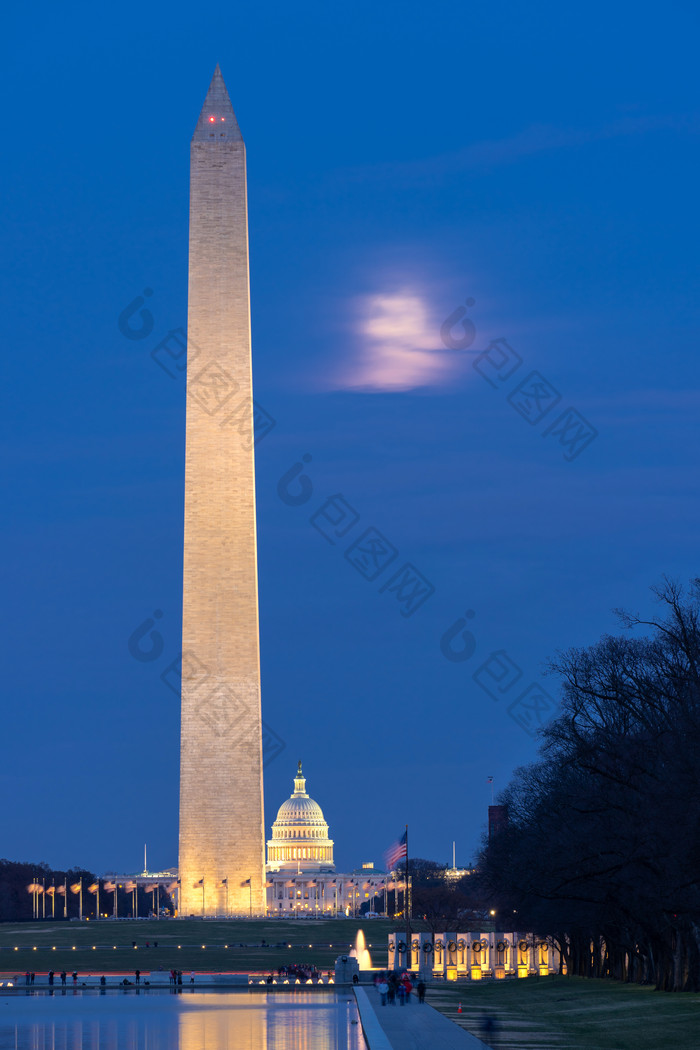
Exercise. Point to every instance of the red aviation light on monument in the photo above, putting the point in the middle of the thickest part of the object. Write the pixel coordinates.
(212, 119)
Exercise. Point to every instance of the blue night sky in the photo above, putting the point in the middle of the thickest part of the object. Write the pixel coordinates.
(539, 161)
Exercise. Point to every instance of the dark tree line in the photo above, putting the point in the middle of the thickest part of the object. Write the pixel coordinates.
(437, 902)
(602, 847)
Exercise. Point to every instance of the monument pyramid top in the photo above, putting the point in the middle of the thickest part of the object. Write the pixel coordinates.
(217, 119)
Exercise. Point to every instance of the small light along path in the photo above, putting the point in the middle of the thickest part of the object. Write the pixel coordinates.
(166, 945)
(514, 1033)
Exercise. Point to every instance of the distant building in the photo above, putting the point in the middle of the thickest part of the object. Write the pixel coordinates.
(301, 879)
(301, 875)
(498, 820)
(300, 834)
(455, 874)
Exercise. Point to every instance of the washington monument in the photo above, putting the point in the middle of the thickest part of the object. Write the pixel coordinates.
(221, 796)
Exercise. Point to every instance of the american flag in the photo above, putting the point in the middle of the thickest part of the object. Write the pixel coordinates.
(397, 851)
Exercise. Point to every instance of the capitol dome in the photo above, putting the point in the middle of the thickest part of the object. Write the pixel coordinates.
(300, 834)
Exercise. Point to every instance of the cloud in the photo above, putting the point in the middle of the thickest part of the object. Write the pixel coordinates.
(538, 138)
(399, 346)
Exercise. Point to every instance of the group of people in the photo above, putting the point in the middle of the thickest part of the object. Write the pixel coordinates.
(176, 978)
(393, 987)
(29, 977)
(303, 972)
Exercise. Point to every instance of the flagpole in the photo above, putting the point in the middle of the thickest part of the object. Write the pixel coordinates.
(407, 908)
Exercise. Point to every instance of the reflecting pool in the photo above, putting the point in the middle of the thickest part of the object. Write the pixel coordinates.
(156, 1020)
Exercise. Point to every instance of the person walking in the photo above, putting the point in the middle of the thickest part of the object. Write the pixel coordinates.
(26, 977)
(137, 974)
(191, 976)
(420, 988)
(383, 989)
(489, 1030)
(63, 978)
(51, 977)
(408, 988)
(401, 993)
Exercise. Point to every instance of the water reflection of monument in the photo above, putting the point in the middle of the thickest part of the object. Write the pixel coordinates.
(192, 1021)
(222, 1021)
(303, 1021)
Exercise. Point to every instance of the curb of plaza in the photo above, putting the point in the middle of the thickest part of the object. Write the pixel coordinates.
(374, 1034)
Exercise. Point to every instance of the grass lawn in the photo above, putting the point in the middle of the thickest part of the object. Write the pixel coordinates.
(183, 944)
(575, 1014)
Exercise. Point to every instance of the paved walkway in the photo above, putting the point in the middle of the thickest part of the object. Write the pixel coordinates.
(411, 1027)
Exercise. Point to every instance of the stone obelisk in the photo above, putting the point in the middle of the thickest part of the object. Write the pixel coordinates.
(221, 864)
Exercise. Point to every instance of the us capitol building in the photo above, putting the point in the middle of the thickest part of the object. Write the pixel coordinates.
(301, 875)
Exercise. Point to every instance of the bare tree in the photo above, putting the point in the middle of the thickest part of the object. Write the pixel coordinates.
(603, 842)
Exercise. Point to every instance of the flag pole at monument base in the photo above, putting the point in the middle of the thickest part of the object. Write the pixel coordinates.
(392, 856)
(407, 906)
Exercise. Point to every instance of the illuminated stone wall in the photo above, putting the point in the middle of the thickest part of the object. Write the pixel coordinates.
(475, 955)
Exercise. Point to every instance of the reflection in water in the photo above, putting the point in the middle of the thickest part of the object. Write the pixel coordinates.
(201, 1021)
(237, 1024)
